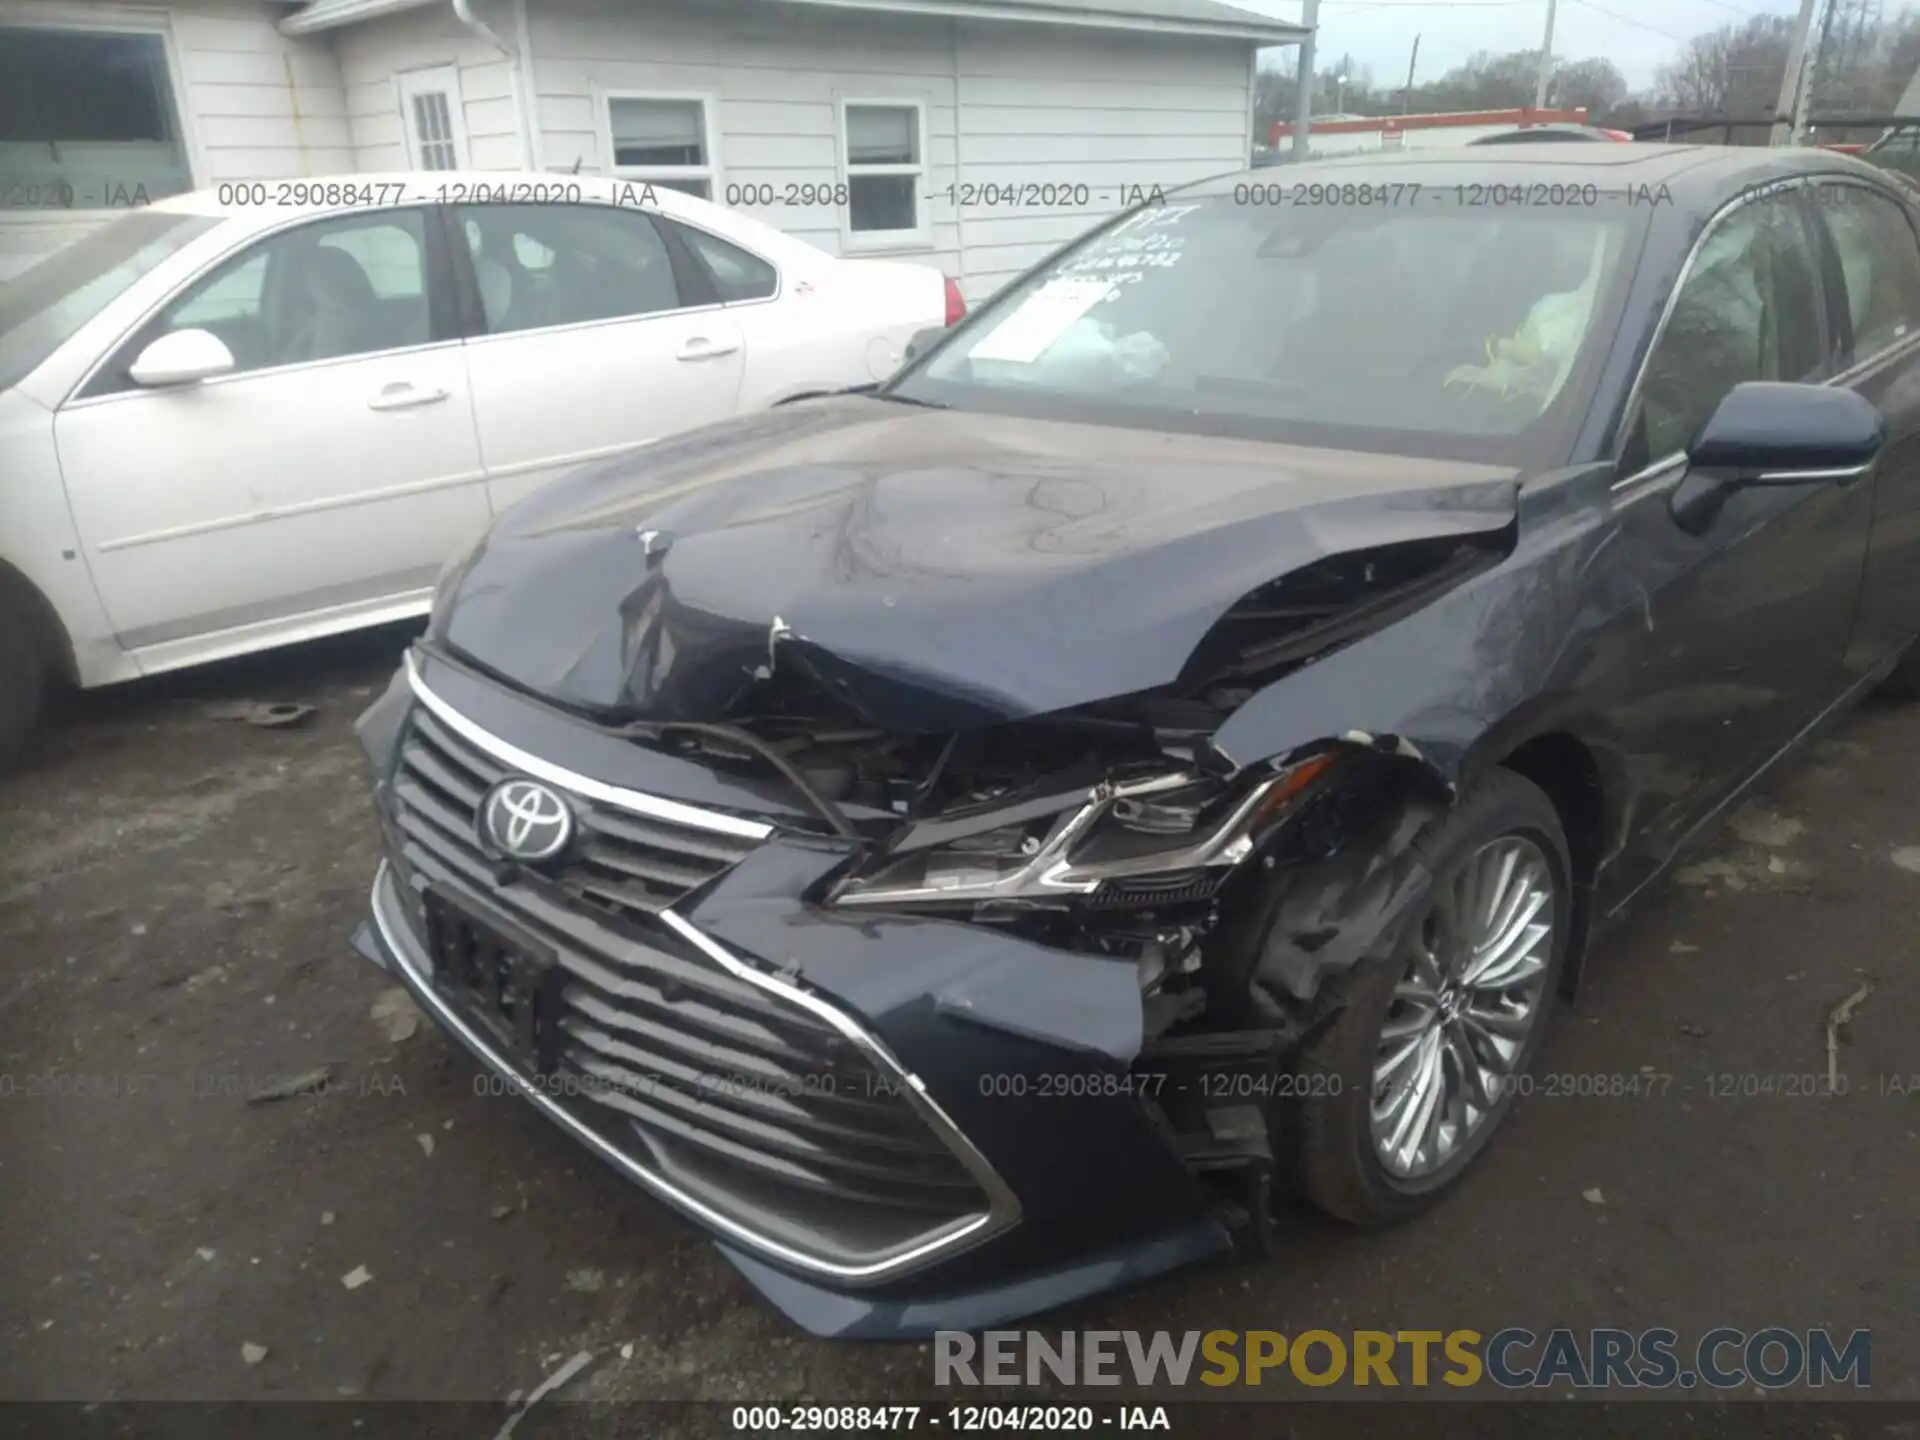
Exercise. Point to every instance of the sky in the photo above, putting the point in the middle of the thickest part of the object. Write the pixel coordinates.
(1639, 36)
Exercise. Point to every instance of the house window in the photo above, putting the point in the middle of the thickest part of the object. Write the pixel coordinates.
(430, 105)
(662, 140)
(885, 158)
(87, 120)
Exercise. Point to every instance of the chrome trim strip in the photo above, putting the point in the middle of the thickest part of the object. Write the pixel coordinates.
(1794, 477)
(1003, 1204)
(1052, 872)
(77, 401)
(1900, 350)
(1003, 1208)
(614, 795)
(1651, 477)
(496, 337)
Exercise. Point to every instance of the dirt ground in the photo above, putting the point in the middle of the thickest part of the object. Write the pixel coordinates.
(176, 889)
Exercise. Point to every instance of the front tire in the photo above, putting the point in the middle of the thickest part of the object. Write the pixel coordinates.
(22, 687)
(1418, 1069)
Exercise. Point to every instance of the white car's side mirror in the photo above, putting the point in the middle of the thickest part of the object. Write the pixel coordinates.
(181, 358)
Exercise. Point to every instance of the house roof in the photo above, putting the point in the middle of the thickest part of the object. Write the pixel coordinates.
(1161, 17)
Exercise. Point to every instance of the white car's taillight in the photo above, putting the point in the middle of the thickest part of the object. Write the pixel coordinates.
(956, 302)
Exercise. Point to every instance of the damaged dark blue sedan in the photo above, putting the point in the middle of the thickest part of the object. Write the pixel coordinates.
(987, 840)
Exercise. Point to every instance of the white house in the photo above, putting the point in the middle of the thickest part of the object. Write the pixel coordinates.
(974, 134)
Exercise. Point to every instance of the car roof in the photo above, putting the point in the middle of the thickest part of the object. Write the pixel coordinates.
(260, 204)
(1695, 179)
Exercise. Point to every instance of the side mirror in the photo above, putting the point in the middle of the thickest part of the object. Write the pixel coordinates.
(1765, 433)
(182, 358)
(923, 341)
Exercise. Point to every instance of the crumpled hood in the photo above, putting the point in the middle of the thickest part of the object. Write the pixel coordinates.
(939, 569)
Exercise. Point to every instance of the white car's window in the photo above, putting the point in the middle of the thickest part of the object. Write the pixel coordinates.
(538, 266)
(235, 293)
(390, 254)
(737, 274)
(44, 307)
(354, 285)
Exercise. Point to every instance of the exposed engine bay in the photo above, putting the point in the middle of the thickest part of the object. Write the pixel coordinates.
(1109, 828)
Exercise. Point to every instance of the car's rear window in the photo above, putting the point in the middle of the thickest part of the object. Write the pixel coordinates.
(42, 308)
(1412, 322)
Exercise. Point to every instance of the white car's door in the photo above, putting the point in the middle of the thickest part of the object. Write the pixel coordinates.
(596, 337)
(822, 325)
(319, 484)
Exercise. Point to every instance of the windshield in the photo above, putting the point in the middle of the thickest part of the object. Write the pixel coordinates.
(1428, 326)
(41, 308)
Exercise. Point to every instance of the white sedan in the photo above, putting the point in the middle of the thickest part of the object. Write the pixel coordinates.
(266, 412)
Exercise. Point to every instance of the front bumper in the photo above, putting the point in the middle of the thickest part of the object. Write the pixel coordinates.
(1013, 1059)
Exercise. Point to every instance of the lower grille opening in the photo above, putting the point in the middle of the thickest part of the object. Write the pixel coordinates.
(737, 1098)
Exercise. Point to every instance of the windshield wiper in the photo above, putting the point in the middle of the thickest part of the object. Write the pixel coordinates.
(900, 399)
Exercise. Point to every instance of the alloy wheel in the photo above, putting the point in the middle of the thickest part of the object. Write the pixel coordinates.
(1462, 1012)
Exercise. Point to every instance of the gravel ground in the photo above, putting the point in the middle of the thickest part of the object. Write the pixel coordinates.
(176, 888)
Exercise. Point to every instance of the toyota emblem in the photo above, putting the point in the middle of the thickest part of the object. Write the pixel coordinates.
(525, 820)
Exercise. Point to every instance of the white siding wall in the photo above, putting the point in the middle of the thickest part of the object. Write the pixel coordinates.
(254, 104)
(1006, 105)
(373, 53)
(776, 79)
(260, 105)
(1117, 113)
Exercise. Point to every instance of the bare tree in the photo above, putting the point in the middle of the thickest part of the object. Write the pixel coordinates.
(1595, 84)
(1735, 70)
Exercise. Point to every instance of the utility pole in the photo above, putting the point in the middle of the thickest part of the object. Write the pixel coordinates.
(1406, 95)
(1546, 63)
(1303, 108)
(1790, 111)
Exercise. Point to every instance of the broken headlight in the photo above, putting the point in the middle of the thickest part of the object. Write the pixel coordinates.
(1160, 840)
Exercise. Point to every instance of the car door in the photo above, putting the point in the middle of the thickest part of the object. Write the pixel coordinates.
(320, 483)
(594, 334)
(811, 330)
(1877, 259)
(1744, 609)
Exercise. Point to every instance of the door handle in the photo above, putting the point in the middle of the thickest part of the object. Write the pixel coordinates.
(701, 348)
(401, 395)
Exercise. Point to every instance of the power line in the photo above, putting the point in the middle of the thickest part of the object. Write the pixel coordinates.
(1637, 24)
(1737, 10)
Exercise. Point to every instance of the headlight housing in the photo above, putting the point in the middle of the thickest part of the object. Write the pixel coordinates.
(1164, 839)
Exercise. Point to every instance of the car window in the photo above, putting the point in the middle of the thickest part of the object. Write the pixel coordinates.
(1881, 262)
(544, 265)
(355, 285)
(235, 293)
(1438, 329)
(1747, 310)
(737, 275)
(45, 306)
(394, 262)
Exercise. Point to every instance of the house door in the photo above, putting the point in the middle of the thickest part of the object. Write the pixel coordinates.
(433, 118)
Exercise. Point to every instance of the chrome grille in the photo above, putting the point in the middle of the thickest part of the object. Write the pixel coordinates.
(623, 862)
(756, 1105)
